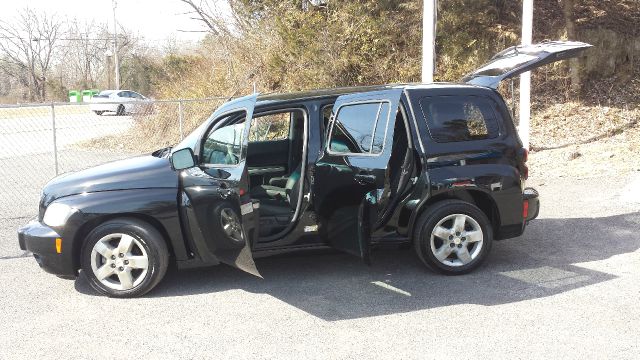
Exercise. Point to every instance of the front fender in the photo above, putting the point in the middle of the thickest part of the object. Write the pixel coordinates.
(157, 206)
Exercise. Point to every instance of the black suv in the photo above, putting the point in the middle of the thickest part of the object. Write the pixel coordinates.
(439, 166)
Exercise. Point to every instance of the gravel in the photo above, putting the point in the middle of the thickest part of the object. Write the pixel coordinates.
(566, 289)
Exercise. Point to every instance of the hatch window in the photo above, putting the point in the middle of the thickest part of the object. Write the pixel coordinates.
(459, 118)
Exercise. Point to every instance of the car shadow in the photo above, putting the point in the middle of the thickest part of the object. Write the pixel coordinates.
(334, 286)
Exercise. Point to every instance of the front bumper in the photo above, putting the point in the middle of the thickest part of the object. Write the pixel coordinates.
(531, 200)
(41, 241)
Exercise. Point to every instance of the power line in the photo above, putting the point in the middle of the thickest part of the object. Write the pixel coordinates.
(45, 39)
(78, 39)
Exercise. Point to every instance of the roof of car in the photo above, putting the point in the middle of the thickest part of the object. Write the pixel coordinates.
(113, 91)
(334, 92)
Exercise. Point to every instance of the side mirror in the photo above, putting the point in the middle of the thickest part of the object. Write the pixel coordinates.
(183, 159)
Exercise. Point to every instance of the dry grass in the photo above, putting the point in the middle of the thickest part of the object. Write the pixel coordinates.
(572, 123)
(596, 134)
(615, 155)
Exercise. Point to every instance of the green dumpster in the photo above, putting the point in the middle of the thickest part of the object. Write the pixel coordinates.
(75, 96)
(88, 94)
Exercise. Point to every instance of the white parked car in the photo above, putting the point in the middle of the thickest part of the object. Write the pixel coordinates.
(120, 102)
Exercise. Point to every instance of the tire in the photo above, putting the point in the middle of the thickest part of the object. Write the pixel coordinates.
(120, 110)
(98, 112)
(124, 274)
(433, 249)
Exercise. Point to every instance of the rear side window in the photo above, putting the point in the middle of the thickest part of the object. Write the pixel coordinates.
(460, 118)
(359, 128)
(270, 127)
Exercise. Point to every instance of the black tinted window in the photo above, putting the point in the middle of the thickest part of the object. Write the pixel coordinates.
(459, 118)
(354, 128)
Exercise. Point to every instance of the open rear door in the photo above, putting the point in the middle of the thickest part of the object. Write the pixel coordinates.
(522, 58)
(350, 175)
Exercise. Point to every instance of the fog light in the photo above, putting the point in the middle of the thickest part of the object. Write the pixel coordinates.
(59, 245)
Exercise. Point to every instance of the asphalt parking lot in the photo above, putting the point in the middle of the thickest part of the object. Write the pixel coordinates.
(569, 288)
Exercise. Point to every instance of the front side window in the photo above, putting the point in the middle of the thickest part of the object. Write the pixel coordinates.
(359, 128)
(460, 118)
(223, 145)
(270, 127)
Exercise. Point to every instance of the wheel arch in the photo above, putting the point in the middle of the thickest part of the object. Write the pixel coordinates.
(479, 198)
(86, 228)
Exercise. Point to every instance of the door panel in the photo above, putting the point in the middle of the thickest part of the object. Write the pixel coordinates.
(219, 210)
(350, 175)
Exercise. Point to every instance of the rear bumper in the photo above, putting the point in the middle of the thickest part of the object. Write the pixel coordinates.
(531, 201)
(41, 241)
(530, 209)
(103, 107)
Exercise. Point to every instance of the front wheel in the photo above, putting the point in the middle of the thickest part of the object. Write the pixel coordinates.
(124, 258)
(120, 110)
(453, 237)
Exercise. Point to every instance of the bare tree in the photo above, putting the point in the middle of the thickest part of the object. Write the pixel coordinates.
(85, 54)
(28, 45)
(209, 14)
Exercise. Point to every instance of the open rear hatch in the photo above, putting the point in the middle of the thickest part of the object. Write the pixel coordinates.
(522, 58)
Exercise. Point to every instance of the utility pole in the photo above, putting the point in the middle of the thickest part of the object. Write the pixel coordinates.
(115, 45)
(429, 15)
(525, 78)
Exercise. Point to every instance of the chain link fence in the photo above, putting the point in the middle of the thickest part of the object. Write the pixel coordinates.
(40, 141)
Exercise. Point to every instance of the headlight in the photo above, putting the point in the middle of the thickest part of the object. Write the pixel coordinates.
(57, 214)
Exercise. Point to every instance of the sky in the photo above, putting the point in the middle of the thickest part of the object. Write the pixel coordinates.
(156, 20)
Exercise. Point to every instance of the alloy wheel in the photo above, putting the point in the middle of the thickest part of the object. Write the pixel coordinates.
(119, 261)
(456, 240)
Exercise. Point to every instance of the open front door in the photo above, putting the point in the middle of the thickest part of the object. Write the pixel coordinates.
(215, 203)
(350, 175)
(522, 58)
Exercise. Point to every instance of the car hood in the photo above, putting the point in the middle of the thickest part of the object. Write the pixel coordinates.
(144, 172)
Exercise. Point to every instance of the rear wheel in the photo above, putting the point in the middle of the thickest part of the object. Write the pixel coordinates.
(124, 258)
(120, 110)
(453, 237)
(99, 112)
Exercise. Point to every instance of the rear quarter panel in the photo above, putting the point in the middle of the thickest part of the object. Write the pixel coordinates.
(489, 166)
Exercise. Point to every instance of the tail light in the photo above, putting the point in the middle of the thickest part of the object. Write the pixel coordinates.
(525, 209)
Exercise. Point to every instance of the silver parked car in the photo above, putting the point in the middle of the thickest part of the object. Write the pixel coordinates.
(120, 102)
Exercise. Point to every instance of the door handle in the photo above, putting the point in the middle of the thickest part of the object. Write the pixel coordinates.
(363, 179)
